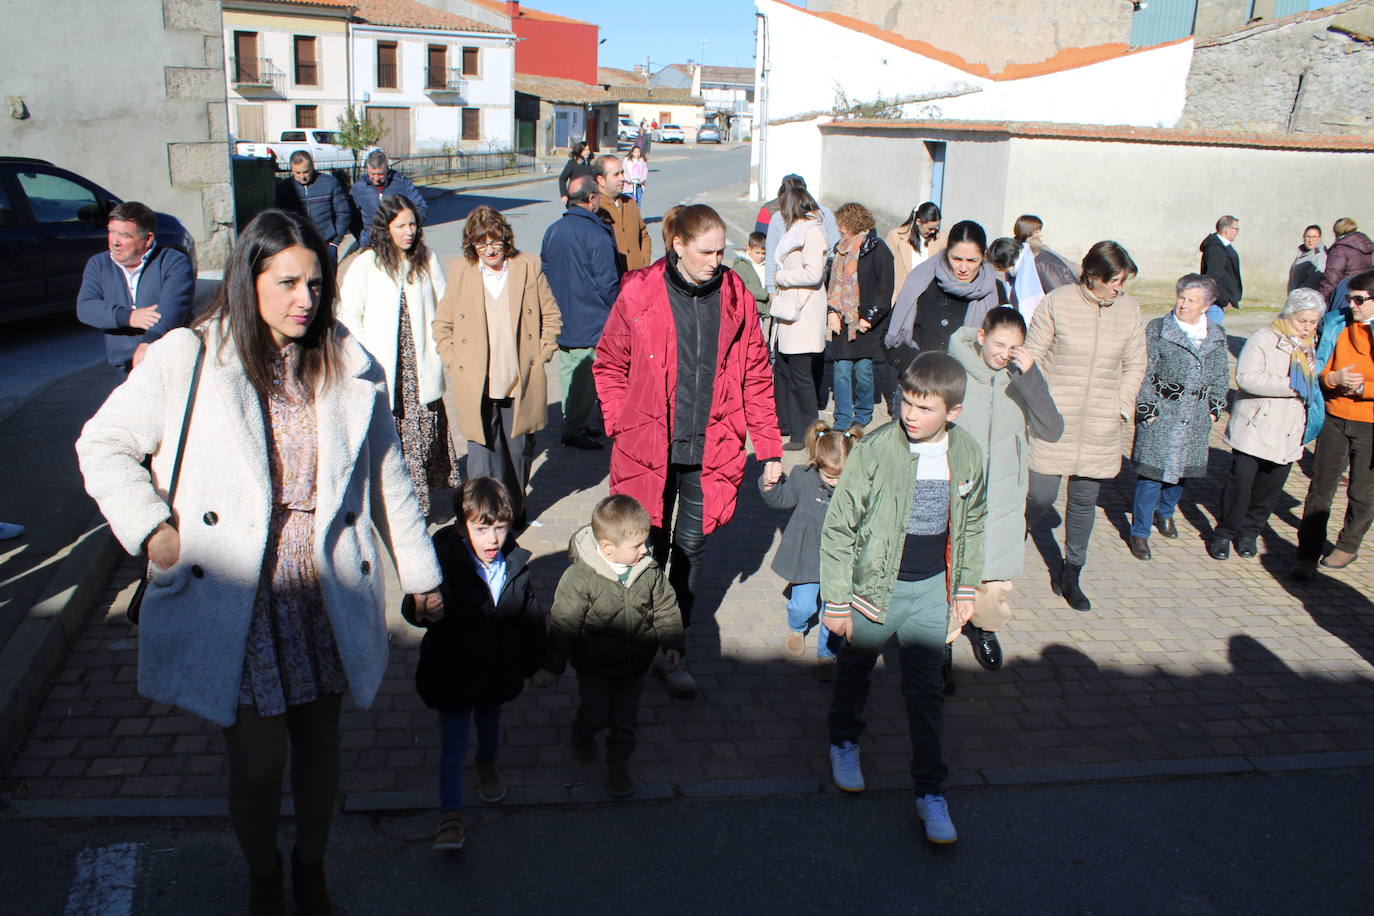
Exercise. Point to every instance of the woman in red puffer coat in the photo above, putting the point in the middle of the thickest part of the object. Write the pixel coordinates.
(683, 376)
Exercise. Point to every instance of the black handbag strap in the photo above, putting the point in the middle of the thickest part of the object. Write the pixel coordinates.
(186, 423)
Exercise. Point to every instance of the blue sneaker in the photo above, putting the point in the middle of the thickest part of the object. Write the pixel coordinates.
(844, 767)
(933, 810)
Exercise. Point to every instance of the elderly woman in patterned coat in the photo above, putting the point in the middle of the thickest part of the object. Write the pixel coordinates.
(1183, 394)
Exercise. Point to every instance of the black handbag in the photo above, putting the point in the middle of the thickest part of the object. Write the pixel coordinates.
(136, 602)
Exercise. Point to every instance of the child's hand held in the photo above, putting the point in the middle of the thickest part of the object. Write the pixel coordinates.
(671, 658)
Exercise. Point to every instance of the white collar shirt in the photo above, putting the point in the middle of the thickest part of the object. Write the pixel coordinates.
(131, 277)
(494, 280)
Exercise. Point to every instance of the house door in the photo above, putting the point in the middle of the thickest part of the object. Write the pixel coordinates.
(593, 121)
(562, 127)
(937, 171)
(251, 126)
(395, 125)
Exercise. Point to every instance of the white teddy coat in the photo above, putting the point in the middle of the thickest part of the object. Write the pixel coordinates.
(195, 615)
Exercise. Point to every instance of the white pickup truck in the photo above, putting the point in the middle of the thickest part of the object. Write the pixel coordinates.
(320, 144)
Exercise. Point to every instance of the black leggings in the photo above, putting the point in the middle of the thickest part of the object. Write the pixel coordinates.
(257, 748)
(681, 552)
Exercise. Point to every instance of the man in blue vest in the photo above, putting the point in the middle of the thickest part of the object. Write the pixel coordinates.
(381, 180)
(138, 290)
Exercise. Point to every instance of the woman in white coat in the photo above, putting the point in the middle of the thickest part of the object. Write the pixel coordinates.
(389, 297)
(267, 600)
(798, 309)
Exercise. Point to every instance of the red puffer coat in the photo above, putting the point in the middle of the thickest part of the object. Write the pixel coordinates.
(636, 380)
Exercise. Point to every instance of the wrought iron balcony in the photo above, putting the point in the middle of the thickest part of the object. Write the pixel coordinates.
(445, 81)
(256, 73)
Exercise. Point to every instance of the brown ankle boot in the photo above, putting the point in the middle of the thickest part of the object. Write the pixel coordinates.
(308, 887)
(267, 893)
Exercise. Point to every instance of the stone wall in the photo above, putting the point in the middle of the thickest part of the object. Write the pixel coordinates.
(995, 32)
(135, 102)
(1311, 77)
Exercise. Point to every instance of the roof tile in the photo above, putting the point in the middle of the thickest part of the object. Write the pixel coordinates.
(413, 14)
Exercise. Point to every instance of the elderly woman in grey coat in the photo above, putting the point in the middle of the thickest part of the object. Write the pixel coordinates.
(1277, 392)
(1183, 393)
(267, 598)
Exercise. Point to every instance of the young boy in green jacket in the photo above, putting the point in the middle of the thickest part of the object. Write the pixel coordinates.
(902, 552)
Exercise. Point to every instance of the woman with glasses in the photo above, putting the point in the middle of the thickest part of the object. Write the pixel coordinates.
(1346, 353)
(495, 328)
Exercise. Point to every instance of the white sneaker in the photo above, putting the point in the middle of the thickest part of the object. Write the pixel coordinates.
(8, 530)
(680, 682)
(934, 811)
(844, 767)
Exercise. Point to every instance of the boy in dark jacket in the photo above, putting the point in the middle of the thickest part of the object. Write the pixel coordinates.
(612, 613)
(479, 650)
(902, 554)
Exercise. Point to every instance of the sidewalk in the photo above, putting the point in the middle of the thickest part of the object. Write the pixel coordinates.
(1185, 666)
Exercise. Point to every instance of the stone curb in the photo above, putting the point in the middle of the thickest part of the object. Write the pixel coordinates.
(33, 655)
(711, 789)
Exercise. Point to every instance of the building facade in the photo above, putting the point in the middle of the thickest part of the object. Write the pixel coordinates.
(431, 79)
(145, 117)
(549, 44)
(727, 93)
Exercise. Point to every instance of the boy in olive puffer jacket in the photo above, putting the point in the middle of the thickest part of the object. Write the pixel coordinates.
(612, 613)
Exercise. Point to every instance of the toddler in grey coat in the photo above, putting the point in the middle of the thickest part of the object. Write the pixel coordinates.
(806, 491)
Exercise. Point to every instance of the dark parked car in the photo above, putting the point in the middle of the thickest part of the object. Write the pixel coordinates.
(708, 133)
(51, 222)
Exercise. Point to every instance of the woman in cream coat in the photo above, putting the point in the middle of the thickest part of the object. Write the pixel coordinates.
(798, 309)
(1089, 341)
(267, 597)
(496, 326)
(388, 300)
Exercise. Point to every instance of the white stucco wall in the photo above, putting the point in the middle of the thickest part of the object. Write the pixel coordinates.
(794, 147)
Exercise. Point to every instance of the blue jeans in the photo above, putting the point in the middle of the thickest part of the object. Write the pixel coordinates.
(1153, 498)
(1216, 314)
(803, 613)
(853, 383)
(453, 748)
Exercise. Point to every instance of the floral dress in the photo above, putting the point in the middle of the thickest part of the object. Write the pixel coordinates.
(423, 428)
(292, 657)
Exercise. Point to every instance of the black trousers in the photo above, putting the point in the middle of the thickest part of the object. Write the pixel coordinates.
(1341, 444)
(681, 552)
(1079, 512)
(794, 387)
(505, 457)
(1251, 492)
(257, 749)
(611, 704)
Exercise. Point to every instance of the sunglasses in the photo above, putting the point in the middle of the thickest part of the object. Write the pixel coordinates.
(1357, 299)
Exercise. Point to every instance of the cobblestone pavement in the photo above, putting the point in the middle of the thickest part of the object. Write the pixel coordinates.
(1183, 660)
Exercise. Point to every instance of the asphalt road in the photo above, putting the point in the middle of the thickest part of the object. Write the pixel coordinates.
(1290, 844)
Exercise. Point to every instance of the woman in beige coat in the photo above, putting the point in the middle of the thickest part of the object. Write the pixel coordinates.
(1089, 340)
(495, 328)
(913, 241)
(1275, 382)
(798, 308)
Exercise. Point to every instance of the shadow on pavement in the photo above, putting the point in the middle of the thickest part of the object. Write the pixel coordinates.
(452, 206)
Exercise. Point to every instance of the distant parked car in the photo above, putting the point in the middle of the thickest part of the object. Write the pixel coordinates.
(671, 133)
(628, 130)
(322, 145)
(51, 222)
(708, 133)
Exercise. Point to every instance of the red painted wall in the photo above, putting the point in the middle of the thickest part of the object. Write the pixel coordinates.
(562, 49)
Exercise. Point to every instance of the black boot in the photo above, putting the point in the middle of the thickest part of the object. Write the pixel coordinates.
(986, 648)
(309, 888)
(947, 671)
(1067, 586)
(267, 893)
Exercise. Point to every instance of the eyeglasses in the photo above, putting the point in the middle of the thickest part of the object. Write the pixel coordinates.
(492, 247)
(1357, 299)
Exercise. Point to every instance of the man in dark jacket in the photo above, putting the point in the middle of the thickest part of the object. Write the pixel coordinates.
(318, 197)
(381, 181)
(1222, 264)
(579, 258)
(137, 291)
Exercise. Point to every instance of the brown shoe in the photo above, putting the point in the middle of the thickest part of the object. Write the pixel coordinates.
(796, 644)
(452, 835)
(1339, 559)
(825, 669)
(490, 788)
(619, 783)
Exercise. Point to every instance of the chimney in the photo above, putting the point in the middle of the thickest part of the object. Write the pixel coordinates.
(513, 9)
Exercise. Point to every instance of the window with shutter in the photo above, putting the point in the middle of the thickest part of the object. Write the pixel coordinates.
(471, 57)
(472, 124)
(307, 116)
(307, 68)
(387, 77)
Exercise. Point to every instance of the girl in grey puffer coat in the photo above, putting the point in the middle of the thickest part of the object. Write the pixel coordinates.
(806, 491)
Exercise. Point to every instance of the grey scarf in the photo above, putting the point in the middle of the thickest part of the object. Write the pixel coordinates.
(981, 292)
